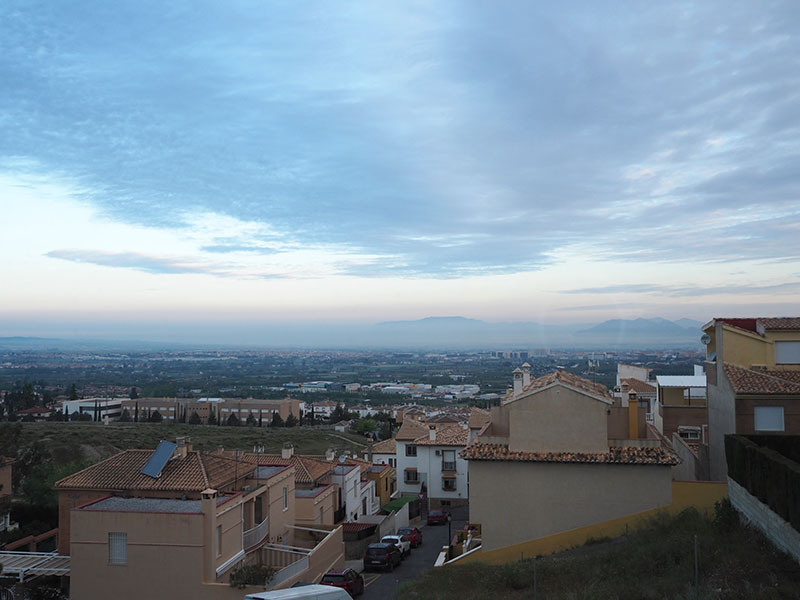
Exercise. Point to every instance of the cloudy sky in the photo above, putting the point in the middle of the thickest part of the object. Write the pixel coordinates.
(368, 161)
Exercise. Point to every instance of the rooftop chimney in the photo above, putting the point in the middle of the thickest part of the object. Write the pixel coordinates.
(182, 450)
(330, 454)
(517, 381)
(369, 451)
(287, 451)
(633, 416)
(526, 375)
(432, 433)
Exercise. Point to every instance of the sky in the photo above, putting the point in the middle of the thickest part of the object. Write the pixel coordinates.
(207, 163)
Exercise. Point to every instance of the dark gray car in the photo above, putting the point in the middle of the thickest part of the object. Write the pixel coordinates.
(382, 556)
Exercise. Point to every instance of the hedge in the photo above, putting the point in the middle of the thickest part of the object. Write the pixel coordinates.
(767, 474)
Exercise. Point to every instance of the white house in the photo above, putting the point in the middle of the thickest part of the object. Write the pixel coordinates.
(383, 453)
(348, 478)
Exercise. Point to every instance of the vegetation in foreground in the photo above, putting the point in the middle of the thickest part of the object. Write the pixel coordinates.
(735, 562)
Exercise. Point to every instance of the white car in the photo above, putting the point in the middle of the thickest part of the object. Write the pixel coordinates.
(402, 542)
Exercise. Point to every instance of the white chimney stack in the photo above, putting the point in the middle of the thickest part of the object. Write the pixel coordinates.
(517, 382)
(432, 433)
(526, 375)
(287, 451)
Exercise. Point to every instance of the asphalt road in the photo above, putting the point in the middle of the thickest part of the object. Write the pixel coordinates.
(384, 586)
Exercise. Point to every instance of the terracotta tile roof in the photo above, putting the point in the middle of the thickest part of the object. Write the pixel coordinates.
(449, 436)
(571, 380)
(780, 322)
(615, 455)
(122, 471)
(443, 419)
(410, 430)
(751, 381)
(478, 418)
(306, 470)
(385, 447)
(355, 526)
(639, 386)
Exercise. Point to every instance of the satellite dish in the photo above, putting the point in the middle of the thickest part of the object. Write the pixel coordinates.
(705, 339)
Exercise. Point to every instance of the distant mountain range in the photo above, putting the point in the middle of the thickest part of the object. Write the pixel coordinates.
(428, 333)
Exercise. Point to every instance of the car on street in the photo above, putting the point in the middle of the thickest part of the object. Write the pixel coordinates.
(413, 534)
(436, 517)
(402, 542)
(382, 556)
(347, 579)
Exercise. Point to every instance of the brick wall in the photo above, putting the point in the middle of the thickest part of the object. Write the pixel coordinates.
(781, 533)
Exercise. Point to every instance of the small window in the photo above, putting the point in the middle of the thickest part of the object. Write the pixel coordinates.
(392, 462)
(411, 450)
(411, 476)
(449, 460)
(768, 418)
(118, 548)
(449, 484)
(787, 353)
(285, 498)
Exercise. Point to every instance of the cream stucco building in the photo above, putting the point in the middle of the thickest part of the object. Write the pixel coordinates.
(560, 453)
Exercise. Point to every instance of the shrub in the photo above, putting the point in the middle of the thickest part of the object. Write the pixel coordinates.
(251, 575)
(195, 419)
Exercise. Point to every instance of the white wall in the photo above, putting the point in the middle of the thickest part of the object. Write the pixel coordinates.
(404, 462)
(432, 465)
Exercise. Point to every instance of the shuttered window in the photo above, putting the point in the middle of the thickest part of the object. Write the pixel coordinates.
(117, 548)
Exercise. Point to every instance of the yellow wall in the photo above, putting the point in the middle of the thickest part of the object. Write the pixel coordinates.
(746, 349)
(701, 495)
(308, 509)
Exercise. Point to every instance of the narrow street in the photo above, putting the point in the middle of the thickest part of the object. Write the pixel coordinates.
(384, 586)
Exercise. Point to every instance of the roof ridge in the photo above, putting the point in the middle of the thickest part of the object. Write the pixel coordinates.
(202, 467)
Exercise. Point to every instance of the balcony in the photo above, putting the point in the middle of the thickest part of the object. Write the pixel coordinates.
(255, 536)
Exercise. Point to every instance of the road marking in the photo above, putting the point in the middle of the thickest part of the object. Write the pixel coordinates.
(371, 581)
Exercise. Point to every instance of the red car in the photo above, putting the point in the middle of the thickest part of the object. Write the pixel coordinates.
(413, 534)
(347, 579)
(436, 517)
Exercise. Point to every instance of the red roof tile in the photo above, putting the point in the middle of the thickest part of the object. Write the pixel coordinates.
(478, 418)
(306, 470)
(780, 322)
(410, 430)
(122, 471)
(752, 381)
(639, 386)
(615, 455)
(449, 436)
(571, 380)
(385, 447)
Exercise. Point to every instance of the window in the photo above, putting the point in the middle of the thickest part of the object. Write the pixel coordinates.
(449, 484)
(285, 498)
(411, 450)
(448, 460)
(787, 353)
(411, 476)
(768, 418)
(392, 462)
(689, 433)
(117, 548)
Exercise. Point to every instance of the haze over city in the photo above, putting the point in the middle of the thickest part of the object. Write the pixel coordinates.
(197, 172)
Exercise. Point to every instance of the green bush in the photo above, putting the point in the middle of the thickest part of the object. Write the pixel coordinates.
(251, 575)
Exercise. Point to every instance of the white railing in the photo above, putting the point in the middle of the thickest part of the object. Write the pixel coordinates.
(288, 572)
(253, 537)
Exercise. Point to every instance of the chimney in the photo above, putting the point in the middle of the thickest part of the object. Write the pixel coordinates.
(182, 449)
(517, 382)
(287, 451)
(432, 433)
(633, 416)
(526, 375)
(330, 454)
(208, 506)
(369, 451)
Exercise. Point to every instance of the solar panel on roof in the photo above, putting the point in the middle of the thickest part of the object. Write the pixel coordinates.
(160, 457)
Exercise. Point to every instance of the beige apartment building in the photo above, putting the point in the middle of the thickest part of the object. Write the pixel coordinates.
(753, 374)
(560, 453)
(182, 532)
(181, 409)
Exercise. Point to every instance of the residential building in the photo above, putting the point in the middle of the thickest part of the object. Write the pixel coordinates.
(753, 372)
(681, 406)
(181, 409)
(408, 475)
(478, 419)
(385, 481)
(561, 453)
(383, 453)
(440, 468)
(179, 531)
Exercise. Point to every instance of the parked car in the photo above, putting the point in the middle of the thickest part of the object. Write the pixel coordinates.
(308, 592)
(402, 542)
(382, 556)
(413, 534)
(347, 579)
(436, 517)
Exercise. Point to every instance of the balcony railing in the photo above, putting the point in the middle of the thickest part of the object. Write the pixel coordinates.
(253, 537)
